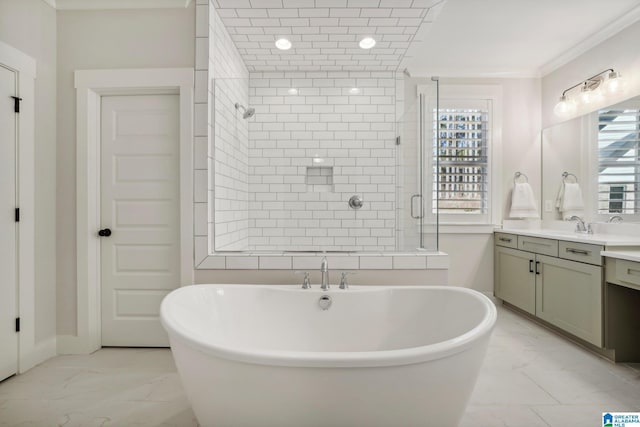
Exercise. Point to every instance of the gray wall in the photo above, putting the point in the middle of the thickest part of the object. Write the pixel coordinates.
(30, 26)
(150, 38)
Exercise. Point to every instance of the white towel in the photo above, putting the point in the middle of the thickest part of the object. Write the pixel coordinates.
(523, 204)
(569, 201)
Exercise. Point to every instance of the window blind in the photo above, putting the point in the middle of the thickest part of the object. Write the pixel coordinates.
(461, 170)
(618, 161)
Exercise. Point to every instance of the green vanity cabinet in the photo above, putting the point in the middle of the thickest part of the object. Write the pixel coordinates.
(514, 278)
(559, 282)
(569, 296)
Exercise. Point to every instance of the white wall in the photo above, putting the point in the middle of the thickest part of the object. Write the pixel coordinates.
(619, 52)
(30, 26)
(104, 39)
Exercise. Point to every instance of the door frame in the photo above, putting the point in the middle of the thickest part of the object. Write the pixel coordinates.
(90, 86)
(30, 353)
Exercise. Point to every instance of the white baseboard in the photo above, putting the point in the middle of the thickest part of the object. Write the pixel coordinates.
(41, 352)
(71, 344)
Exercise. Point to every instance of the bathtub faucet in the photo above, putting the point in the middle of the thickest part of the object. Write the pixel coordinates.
(324, 268)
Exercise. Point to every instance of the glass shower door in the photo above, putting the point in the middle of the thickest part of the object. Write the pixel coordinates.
(417, 215)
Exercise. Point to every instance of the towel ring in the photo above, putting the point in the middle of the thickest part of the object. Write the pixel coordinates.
(566, 175)
(518, 175)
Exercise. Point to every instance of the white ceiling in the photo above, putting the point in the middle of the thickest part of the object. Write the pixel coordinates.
(324, 33)
(516, 37)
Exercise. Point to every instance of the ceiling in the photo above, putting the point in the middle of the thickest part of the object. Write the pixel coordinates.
(456, 38)
(516, 38)
(325, 33)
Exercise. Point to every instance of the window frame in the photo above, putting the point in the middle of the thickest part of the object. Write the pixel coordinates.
(594, 124)
(590, 126)
(492, 94)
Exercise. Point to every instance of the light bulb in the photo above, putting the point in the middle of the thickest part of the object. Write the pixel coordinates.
(614, 83)
(565, 107)
(283, 44)
(590, 96)
(367, 43)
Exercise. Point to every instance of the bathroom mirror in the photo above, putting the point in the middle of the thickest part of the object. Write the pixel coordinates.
(600, 151)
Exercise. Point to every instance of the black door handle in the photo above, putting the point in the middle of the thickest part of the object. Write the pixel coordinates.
(104, 232)
(537, 265)
(530, 266)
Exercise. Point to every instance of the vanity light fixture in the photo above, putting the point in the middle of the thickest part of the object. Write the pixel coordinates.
(367, 43)
(283, 44)
(590, 91)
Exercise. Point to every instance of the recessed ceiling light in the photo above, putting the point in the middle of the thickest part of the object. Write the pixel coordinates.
(283, 44)
(292, 91)
(354, 90)
(367, 43)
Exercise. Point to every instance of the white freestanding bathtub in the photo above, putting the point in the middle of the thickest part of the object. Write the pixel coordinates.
(257, 355)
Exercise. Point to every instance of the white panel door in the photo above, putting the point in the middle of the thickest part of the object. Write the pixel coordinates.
(8, 249)
(140, 206)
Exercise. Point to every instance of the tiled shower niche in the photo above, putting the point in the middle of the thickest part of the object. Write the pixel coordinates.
(320, 179)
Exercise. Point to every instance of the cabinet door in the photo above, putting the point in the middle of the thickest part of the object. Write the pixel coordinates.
(514, 278)
(569, 296)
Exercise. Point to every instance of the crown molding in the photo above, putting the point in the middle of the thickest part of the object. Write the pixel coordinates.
(117, 4)
(592, 41)
(475, 73)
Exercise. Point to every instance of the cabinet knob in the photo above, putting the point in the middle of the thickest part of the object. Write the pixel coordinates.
(105, 232)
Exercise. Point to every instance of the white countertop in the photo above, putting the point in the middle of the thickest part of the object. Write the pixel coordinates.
(626, 255)
(604, 239)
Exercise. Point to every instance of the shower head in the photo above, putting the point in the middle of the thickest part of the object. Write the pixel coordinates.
(247, 112)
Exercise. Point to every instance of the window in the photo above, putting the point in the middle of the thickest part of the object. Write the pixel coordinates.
(462, 167)
(619, 160)
(464, 128)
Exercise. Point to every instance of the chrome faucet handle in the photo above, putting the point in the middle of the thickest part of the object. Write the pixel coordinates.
(306, 283)
(343, 279)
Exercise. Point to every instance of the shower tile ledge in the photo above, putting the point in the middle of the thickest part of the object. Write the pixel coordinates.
(256, 260)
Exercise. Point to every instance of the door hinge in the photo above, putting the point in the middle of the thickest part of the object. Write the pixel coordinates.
(17, 324)
(17, 214)
(16, 104)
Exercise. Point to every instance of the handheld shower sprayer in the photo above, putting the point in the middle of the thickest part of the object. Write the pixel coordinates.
(247, 113)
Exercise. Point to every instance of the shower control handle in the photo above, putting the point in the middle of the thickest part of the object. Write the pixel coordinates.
(355, 202)
(104, 232)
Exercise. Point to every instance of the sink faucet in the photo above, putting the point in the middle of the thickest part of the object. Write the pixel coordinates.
(615, 218)
(580, 226)
(324, 268)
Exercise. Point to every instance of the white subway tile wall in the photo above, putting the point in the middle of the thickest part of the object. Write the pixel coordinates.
(229, 139)
(323, 122)
(324, 33)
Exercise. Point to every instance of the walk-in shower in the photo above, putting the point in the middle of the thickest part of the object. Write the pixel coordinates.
(283, 180)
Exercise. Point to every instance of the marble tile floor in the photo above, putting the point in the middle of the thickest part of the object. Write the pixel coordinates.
(531, 377)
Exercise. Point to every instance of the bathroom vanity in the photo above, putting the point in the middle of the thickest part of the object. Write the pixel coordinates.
(585, 286)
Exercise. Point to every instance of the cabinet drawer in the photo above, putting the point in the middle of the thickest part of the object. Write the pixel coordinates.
(582, 252)
(627, 272)
(506, 240)
(538, 245)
